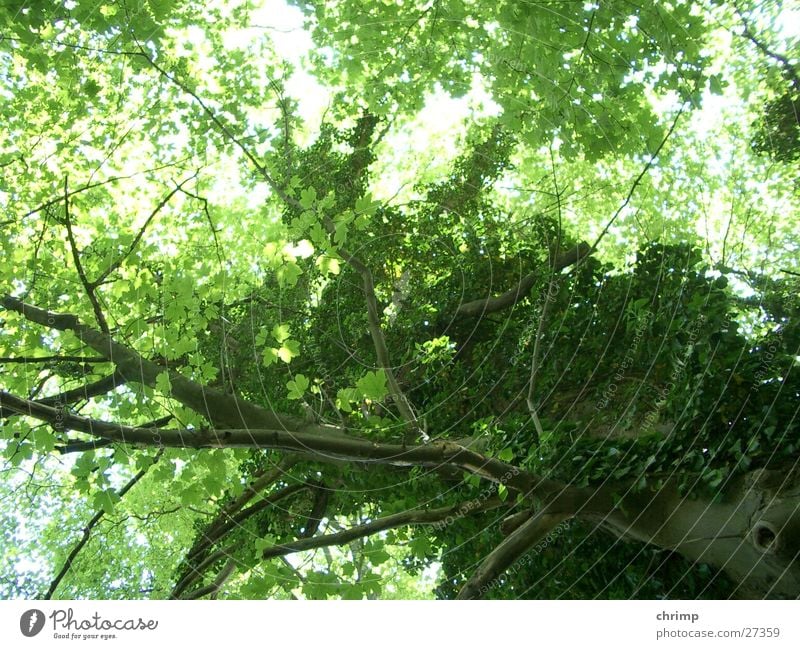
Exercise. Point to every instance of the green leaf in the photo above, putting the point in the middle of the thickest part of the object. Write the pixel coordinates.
(288, 351)
(344, 398)
(193, 496)
(328, 265)
(506, 455)
(420, 546)
(163, 383)
(269, 356)
(288, 273)
(297, 386)
(280, 332)
(106, 500)
(502, 492)
(377, 557)
(328, 201)
(373, 385)
(340, 233)
(307, 197)
(365, 206)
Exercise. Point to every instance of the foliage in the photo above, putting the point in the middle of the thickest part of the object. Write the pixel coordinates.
(241, 259)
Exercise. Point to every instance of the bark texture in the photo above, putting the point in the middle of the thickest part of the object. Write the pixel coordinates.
(752, 533)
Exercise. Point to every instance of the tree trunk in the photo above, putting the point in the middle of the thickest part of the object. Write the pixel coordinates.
(752, 533)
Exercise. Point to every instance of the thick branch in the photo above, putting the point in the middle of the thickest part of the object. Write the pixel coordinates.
(505, 554)
(514, 295)
(322, 446)
(321, 496)
(214, 586)
(219, 408)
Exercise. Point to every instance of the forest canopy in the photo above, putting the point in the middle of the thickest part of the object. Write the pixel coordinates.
(420, 299)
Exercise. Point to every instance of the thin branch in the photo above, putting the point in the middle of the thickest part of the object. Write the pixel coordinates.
(193, 573)
(297, 574)
(36, 249)
(84, 392)
(408, 517)
(197, 563)
(225, 130)
(118, 262)
(204, 202)
(214, 534)
(552, 289)
(530, 401)
(76, 446)
(53, 359)
(379, 341)
(318, 508)
(287, 129)
(788, 69)
(508, 299)
(90, 185)
(87, 285)
(87, 391)
(358, 164)
(261, 482)
(638, 180)
(508, 551)
(401, 401)
(87, 531)
(73, 446)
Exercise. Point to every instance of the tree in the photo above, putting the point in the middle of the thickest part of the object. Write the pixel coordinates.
(454, 327)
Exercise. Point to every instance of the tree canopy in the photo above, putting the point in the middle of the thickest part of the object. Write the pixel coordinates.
(421, 299)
